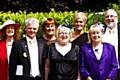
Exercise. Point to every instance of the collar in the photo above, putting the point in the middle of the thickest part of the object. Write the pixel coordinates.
(30, 40)
(114, 29)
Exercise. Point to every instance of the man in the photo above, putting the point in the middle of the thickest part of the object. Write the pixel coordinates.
(26, 54)
(112, 33)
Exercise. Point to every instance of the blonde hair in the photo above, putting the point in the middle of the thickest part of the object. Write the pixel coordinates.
(62, 28)
(80, 15)
(97, 26)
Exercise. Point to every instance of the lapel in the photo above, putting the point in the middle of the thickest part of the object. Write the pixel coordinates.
(25, 47)
(119, 43)
(40, 50)
(91, 52)
(104, 52)
(119, 39)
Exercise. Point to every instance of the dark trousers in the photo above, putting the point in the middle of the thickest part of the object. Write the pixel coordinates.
(118, 75)
(35, 78)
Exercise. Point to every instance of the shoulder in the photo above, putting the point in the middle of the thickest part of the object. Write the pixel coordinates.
(86, 45)
(20, 41)
(2, 41)
(2, 44)
(108, 45)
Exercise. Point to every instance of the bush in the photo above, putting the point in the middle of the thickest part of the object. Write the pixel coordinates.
(61, 17)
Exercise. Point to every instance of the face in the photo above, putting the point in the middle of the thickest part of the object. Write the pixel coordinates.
(31, 31)
(63, 36)
(96, 36)
(50, 29)
(111, 19)
(10, 30)
(79, 24)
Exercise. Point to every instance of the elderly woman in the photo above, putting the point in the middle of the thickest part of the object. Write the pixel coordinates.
(98, 59)
(63, 56)
(9, 33)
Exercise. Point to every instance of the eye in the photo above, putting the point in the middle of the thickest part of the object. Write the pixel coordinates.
(110, 16)
(79, 21)
(34, 28)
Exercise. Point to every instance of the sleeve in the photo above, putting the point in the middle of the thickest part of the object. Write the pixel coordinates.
(13, 61)
(114, 65)
(83, 70)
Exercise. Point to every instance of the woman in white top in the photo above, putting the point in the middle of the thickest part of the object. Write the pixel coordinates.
(8, 33)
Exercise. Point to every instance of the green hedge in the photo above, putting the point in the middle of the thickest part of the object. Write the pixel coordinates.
(61, 17)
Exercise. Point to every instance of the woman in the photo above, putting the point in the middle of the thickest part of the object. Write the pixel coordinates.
(49, 28)
(63, 56)
(98, 59)
(9, 33)
(79, 37)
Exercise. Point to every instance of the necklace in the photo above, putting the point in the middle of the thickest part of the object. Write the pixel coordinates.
(9, 43)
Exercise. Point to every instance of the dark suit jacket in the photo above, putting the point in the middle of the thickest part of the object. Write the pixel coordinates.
(101, 69)
(119, 44)
(20, 56)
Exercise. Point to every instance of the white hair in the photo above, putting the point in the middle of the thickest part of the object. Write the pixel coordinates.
(32, 22)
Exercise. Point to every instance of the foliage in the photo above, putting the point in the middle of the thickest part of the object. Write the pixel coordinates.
(61, 17)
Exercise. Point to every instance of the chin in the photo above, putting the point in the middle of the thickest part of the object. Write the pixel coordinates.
(50, 34)
(79, 29)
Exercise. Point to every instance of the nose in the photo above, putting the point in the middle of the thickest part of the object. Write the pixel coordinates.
(50, 27)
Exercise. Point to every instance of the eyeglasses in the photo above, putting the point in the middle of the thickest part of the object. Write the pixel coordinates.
(110, 16)
(63, 33)
(31, 28)
(79, 21)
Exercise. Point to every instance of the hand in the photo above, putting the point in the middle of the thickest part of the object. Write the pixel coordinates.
(78, 79)
(108, 79)
(89, 78)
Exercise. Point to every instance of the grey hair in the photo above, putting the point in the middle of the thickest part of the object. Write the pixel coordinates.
(32, 22)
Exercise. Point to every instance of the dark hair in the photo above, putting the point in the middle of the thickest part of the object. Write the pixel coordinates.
(49, 21)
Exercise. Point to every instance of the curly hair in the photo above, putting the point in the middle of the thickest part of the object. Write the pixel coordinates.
(16, 35)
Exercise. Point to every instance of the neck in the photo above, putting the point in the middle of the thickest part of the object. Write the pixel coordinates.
(95, 44)
(9, 39)
(49, 37)
(78, 32)
(62, 44)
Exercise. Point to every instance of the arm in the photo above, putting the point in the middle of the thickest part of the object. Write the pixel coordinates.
(83, 70)
(47, 62)
(47, 68)
(77, 52)
(114, 64)
(13, 62)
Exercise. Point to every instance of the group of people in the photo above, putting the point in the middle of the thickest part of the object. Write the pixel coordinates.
(61, 54)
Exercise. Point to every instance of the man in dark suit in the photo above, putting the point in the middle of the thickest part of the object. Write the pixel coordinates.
(112, 34)
(26, 54)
